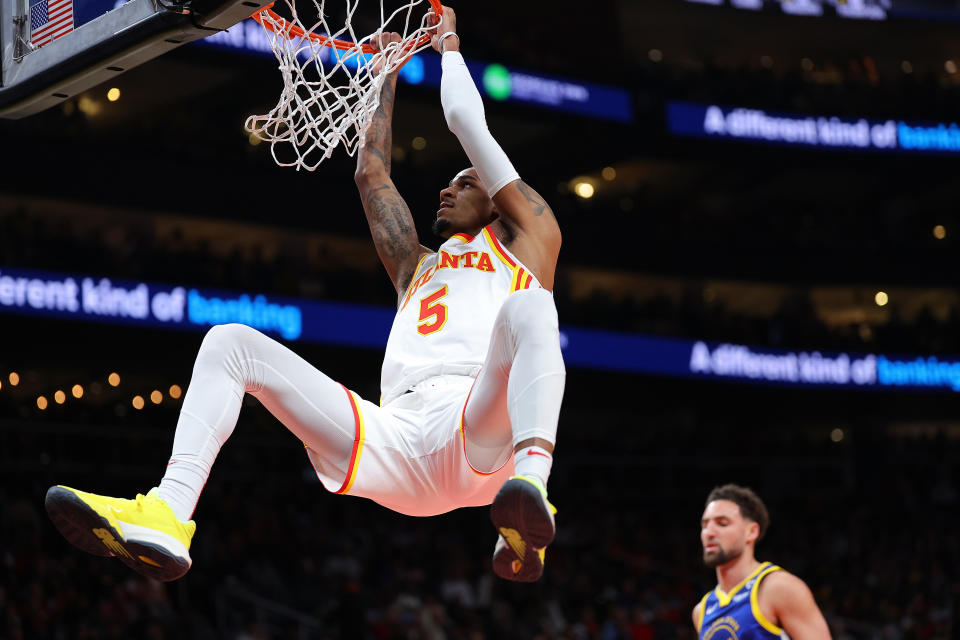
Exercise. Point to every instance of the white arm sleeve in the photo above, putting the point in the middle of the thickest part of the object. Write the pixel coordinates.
(463, 109)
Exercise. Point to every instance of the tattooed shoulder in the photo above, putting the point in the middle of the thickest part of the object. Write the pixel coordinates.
(539, 204)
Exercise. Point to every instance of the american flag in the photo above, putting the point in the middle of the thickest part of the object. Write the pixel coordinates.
(49, 19)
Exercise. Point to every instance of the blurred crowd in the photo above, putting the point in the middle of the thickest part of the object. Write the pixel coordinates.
(794, 325)
(869, 524)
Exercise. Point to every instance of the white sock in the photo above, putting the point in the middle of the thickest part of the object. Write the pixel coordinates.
(535, 463)
(181, 486)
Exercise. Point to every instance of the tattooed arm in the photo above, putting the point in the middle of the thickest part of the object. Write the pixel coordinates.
(391, 224)
(527, 212)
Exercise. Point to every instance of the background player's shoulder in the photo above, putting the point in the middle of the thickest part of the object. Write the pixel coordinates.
(698, 611)
(780, 584)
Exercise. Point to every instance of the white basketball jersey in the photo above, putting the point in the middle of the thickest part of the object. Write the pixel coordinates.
(445, 319)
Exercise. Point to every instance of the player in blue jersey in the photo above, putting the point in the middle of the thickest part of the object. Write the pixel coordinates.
(753, 600)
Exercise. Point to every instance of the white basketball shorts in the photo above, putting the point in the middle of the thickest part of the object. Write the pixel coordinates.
(409, 455)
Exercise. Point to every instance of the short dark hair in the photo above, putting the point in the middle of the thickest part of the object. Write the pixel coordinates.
(751, 506)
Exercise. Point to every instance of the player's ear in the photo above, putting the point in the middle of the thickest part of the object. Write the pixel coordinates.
(753, 531)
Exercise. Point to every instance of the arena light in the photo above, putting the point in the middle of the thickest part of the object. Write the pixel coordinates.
(14, 378)
(42, 403)
(59, 396)
(950, 66)
(655, 55)
(113, 94)
(253, 140)
(881, 298)
(837, 434)
(906, 66)
(609, 174)
(77, 391)
(156, 397)
(175, 391)
(137, 402)
(88, 106)
(419, 143)
(584, 189)
(939, 232)
(113, 379)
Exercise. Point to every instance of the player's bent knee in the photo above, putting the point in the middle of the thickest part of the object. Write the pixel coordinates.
(224, 337)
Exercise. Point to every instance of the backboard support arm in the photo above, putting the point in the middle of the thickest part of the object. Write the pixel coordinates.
(133, 33)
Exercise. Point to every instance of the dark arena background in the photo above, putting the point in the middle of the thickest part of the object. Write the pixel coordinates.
(758, 284)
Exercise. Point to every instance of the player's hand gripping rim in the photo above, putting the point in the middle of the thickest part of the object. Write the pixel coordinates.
(447, 24)
(383, 45)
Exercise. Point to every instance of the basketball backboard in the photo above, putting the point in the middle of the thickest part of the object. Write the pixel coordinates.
(54, 49)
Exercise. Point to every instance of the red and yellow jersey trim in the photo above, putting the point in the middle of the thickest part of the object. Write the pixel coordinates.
(521, 278)
(357, 442)
(419, 264)
(416, 272)
(413, 280)
(465, 237)
(498, 248)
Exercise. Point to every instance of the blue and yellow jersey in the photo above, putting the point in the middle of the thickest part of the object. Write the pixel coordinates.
(736, 615)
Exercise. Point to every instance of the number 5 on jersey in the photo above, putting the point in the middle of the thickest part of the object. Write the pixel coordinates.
(433, 314)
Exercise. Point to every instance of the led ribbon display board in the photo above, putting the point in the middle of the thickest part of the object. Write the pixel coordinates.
(854, 9)
(821, 132)
(151, 305)
(164, 306)
(859, 9)
(494, 80)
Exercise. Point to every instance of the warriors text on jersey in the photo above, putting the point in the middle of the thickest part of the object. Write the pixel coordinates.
(445, 318)
(736, 615)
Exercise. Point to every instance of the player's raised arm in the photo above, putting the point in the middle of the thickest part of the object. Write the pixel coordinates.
(391, 224)
(519, 206)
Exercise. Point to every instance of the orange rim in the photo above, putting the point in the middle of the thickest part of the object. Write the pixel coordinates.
(291, 31)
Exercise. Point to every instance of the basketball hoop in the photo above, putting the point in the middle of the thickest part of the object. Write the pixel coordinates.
(330, 89)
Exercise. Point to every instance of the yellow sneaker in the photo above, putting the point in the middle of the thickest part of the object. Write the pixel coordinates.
(143, 533)
(524, 519)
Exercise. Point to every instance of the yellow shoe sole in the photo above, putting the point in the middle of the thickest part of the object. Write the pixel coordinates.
(522, 518)
(89, 531)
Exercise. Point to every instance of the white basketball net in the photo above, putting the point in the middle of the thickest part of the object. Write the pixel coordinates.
(330, 95)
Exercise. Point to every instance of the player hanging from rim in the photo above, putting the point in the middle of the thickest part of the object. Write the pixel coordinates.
(472, 376)
(753, 600)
